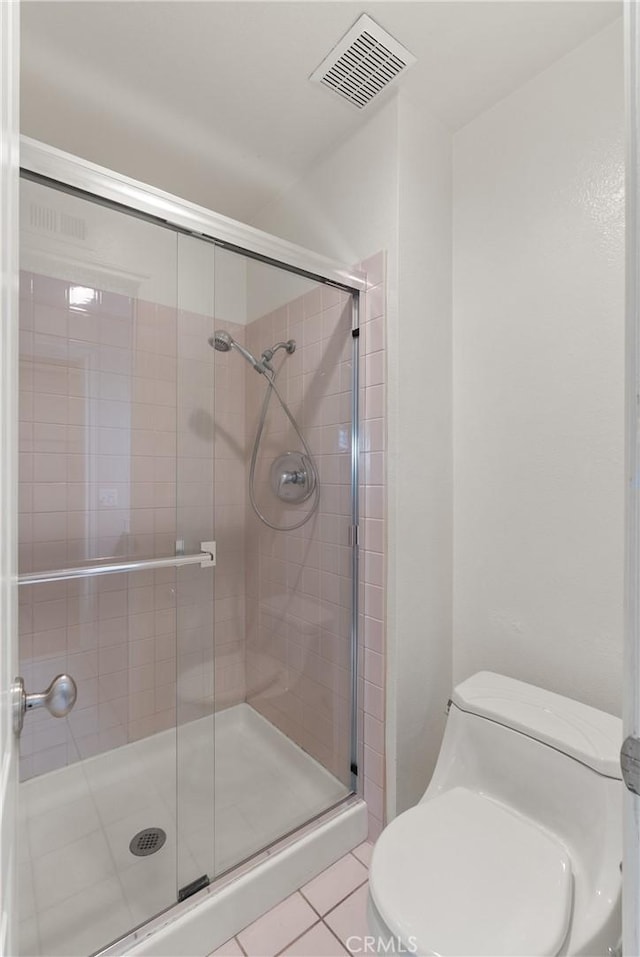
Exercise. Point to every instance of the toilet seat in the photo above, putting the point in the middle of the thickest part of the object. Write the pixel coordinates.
(464, 875)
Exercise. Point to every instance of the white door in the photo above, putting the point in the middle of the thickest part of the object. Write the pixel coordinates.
(631, 874)
(9, 54)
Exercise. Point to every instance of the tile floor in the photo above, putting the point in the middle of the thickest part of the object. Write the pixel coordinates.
(81, 888)
(316, 921)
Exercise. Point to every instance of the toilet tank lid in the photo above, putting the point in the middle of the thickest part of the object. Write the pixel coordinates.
(586, 734)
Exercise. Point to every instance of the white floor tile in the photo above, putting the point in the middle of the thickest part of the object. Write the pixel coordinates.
(230, 949)
(334, 884)
(279, 927)
(363, 853)
(317, 942)
(349, 920)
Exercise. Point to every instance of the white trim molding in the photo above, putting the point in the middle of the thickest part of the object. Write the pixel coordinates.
(631, 687)
(9, 172)
(69, 170)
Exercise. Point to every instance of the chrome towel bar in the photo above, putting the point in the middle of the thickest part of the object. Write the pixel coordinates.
(206, 558)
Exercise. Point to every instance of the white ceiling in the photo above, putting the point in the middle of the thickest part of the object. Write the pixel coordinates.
(211, 100)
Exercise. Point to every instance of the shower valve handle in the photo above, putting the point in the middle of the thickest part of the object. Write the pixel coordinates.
(59, 698)
(297, 477)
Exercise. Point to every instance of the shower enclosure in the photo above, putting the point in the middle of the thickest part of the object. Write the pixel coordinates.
(188, 557)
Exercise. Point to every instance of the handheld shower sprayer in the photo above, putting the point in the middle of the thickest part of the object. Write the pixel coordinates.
(224, 342)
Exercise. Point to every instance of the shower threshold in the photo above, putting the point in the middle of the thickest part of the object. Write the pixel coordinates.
(80, 885)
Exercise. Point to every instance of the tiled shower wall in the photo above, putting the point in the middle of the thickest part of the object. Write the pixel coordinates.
(299, 583)
(117, 458)
(230, 499)
(373, 540)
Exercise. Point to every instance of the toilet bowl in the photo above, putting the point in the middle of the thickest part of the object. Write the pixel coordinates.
(516, 846)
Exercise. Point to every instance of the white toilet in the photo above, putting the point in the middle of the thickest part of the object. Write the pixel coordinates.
(515, 847)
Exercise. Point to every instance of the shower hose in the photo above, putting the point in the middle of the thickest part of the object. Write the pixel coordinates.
(271, 376)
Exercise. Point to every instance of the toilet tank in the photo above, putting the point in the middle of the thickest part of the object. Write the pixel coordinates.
(586, 734)
(536, 748)
(550, 758)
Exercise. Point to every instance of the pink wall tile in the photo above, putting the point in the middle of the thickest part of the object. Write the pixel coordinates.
(126, 483)
(97, 491)
(305, 690)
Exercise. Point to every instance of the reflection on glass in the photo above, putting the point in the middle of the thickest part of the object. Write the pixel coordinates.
(97, 482)
(220, 716)
(283, 602)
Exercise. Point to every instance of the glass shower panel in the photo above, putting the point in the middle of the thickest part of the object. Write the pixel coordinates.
(283, 582)
(98, 406)
(194, 585)
(208, 723)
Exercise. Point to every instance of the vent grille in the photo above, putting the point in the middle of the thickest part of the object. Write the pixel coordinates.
(363, 63)
(49, 220)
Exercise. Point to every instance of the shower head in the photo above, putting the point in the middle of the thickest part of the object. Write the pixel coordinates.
(224, 342)
(221, 341)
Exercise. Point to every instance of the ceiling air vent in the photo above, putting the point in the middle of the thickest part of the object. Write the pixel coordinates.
(49, 220)
(363, 63)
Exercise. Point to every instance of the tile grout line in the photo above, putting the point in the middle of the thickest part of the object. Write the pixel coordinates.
(312, 906)
(296, 939)
(332, 931)
(320, 920)
(342, 899)
(350, 894)
(320, 916)
(237, 940)
(353, 853)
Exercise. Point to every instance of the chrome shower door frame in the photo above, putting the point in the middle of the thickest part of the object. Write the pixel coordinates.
(65, 171)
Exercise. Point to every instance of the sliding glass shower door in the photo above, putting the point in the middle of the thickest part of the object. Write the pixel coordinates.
(284, 510)
(187, 561)
(116, 472)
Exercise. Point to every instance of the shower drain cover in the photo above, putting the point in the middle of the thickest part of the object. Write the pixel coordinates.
(147, 842)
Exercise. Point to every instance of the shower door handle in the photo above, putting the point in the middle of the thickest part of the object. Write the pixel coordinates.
(58, 699)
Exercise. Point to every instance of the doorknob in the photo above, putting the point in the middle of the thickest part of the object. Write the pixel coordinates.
(58, 699)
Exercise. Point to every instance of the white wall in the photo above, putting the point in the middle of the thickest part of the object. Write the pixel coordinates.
(346, 205)
(388, 187)
(538, 380)
(420, 457)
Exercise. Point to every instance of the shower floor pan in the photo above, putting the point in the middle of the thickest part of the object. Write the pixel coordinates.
(80, 887)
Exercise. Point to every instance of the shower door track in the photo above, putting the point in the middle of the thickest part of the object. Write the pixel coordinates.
(55, 168)
(222, 883)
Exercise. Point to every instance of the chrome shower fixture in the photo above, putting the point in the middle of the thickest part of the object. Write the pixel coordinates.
(293, 484)
(289, 346)
(224, 342)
